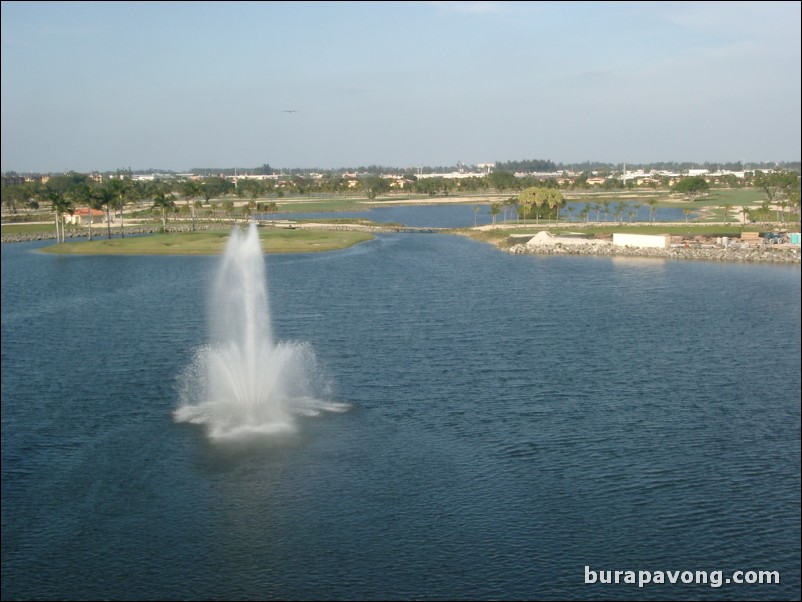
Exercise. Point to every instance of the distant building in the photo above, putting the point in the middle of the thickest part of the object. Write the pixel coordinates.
(454, 175)
(82, 216)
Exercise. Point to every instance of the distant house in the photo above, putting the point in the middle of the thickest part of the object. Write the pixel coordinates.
(82, 216)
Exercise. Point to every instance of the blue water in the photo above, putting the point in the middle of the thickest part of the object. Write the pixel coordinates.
(515, 418)
(462, 215)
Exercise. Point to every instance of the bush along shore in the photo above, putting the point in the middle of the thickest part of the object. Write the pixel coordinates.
(740, 252)
(102, 233)
(97, 234)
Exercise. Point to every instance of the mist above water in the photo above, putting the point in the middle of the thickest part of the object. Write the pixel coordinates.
(243, 384)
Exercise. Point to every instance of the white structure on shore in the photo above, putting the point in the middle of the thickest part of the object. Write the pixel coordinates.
(545, 238)
(642, 241)
(638, 241)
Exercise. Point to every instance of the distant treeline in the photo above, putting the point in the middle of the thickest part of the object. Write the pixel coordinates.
(546, 166)
(524, 165)
(528, 165)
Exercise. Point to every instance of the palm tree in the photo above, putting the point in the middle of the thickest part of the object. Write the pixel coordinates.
(606, 205)
(652, 208)
(513, 203)
(633, 213)
(765, 212)
(554, 204)
(495, 209)
(475, 213)
(597, 208)
(526, 199)
(123, 193)
(272, 208)
(80, 194)
(686, 212)
(619, 210)
(103, 196)
(163, 202)
(727, 208)
(745, 214)
(538, 202)
(60, 205)
(191, 190)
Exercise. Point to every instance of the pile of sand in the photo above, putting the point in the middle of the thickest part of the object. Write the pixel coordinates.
(544, 238)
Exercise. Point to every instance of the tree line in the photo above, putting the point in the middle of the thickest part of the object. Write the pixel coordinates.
(514, 166)
(217, 196)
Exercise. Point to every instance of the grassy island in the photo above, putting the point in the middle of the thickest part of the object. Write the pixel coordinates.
(213, 242)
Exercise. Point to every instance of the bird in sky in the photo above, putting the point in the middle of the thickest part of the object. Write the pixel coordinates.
(289, 111)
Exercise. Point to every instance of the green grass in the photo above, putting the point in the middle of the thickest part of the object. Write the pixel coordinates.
(274, 240)
(734, 196)
(34, 228)
(322, 205)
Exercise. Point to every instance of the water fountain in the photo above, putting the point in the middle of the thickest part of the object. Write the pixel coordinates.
(243, 384)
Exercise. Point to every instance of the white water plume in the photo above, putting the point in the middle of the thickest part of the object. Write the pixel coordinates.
(242, 384)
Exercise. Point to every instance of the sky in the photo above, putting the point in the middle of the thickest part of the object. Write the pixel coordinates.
(101, 86)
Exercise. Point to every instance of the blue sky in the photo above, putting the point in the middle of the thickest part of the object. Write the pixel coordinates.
(106, 85)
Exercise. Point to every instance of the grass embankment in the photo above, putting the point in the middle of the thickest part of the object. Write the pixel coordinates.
(274, 240)
(38, 228)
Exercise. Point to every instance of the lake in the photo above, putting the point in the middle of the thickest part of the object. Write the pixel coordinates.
(513, 419)
(465, 215)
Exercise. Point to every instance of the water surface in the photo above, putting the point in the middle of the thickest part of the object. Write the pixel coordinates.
(514, 418)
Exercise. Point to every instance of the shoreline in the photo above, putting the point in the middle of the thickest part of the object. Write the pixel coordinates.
(737, 253)
(779, 254)
(70, 234)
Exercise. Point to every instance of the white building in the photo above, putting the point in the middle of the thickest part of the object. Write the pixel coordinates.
(641, 241)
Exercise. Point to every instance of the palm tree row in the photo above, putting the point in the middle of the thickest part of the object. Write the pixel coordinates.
(67, 194)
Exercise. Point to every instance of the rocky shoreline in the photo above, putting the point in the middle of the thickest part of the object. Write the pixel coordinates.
(733, 253)
(738, 252)
(101, 232)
